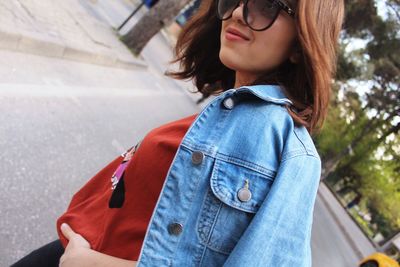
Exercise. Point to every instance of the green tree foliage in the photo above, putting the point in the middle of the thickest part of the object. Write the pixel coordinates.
(382, 189)
(360, 140)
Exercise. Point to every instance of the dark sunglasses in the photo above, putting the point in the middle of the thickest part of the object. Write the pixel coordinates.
(259, 15)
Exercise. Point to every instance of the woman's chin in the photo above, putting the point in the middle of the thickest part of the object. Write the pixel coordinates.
(231, 64)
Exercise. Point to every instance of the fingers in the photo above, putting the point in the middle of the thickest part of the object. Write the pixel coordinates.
(67, 231)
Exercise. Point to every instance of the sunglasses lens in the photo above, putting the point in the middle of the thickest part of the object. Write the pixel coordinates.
(226, 7)
(261, 13)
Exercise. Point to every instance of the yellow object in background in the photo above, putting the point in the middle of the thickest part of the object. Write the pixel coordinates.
(378, 260)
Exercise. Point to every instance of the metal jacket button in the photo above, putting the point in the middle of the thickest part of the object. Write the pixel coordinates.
(228, 103)
(244, 193)
(197, 157)
(175, 228)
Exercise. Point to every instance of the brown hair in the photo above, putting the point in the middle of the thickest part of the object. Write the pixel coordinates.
(307, 83)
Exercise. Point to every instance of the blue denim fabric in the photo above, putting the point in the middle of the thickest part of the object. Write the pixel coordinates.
(255, 139)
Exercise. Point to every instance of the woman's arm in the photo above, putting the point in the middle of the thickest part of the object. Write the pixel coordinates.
(79, 254)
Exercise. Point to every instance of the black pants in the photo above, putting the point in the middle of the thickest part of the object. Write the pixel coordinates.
(46, 256)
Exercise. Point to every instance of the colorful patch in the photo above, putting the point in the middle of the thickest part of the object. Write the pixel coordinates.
(127, 155)
(117, 180)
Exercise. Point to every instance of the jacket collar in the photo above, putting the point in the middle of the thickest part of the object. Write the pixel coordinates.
(267, 92)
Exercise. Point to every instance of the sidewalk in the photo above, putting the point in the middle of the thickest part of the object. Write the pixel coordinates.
(354, 235)
(62, 29)
(84, 31)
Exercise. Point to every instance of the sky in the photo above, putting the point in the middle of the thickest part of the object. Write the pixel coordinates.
(358, 43)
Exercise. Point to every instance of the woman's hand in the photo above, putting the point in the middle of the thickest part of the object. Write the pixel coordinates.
(78, 253)
(77, 247)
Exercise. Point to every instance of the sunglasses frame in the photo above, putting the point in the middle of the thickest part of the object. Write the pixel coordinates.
(281, 6)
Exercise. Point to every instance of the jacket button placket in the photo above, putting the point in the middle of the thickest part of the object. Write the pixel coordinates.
(165, 229)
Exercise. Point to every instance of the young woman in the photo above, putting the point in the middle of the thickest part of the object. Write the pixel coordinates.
(234, 185)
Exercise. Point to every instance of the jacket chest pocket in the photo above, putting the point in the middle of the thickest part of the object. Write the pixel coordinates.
(234, 196)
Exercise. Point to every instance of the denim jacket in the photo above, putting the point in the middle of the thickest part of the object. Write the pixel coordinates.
(240, 190)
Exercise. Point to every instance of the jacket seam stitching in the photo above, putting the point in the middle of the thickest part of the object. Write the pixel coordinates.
(251, 165)
(298, 155)
(308, 151)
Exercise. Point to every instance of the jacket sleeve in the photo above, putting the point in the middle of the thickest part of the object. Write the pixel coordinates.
(280, 232)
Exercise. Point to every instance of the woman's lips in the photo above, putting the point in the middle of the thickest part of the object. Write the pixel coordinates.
(233, 37)
(233, 34)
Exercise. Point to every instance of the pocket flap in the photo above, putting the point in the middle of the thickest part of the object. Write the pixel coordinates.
(228, 178)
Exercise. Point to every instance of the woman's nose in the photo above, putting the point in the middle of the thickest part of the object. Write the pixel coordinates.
(237, 13)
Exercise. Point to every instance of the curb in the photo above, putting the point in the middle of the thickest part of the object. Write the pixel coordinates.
(36, 44)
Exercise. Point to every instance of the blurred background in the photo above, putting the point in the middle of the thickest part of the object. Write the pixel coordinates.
(83, 80)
